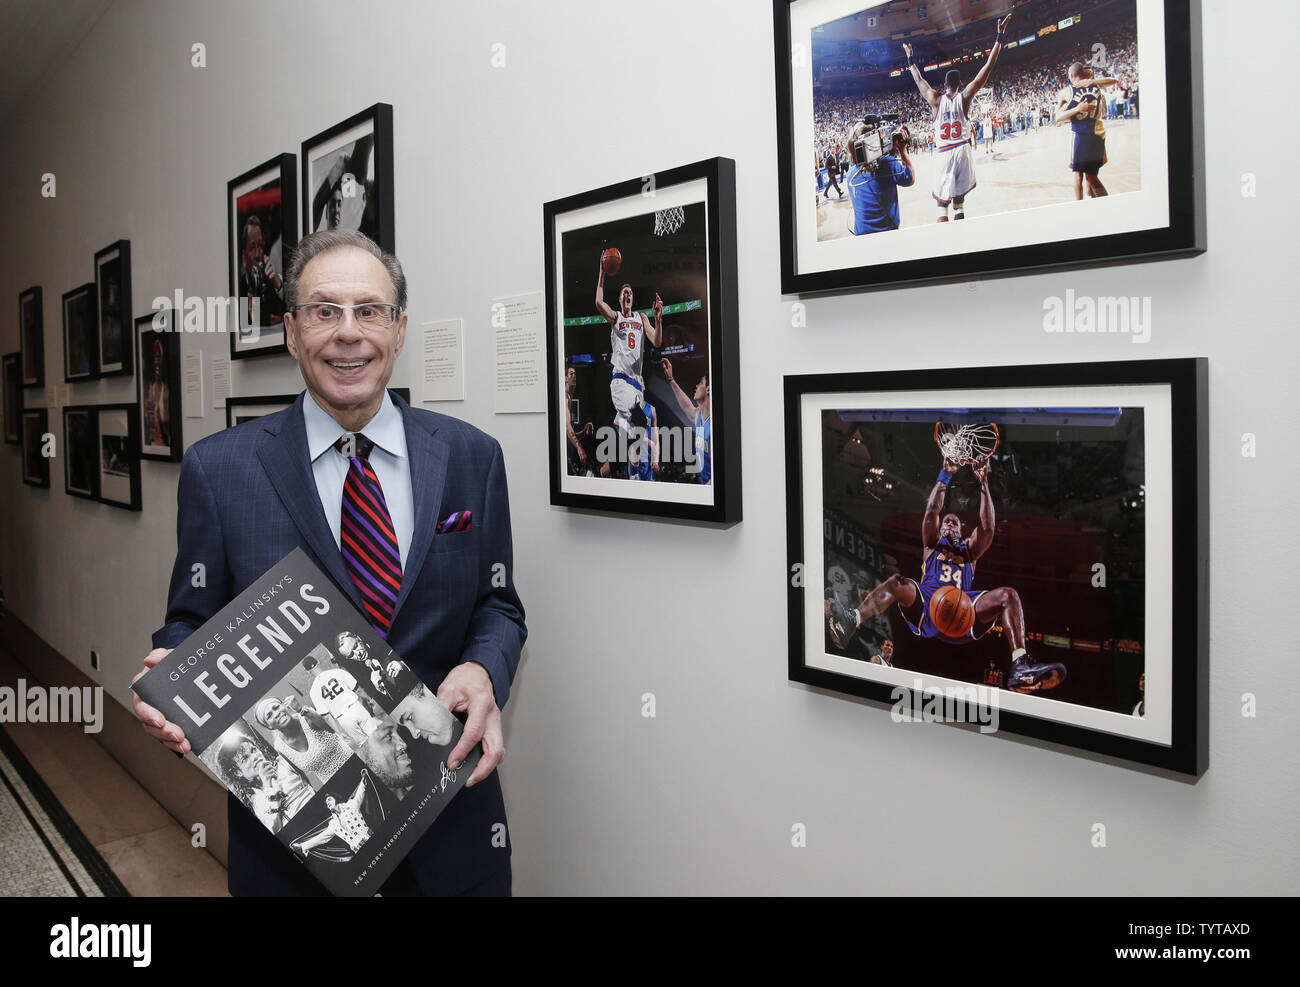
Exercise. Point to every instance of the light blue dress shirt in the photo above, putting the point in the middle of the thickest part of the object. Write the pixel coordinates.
(388, 459)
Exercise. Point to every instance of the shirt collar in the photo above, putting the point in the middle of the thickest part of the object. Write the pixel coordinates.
(385, 430)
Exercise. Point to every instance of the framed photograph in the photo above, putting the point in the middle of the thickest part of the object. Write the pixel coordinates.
(262, 230)
(13, 398)
(643, 372)
(113, 293)
(942, 149)
(979, 551)
(31, 322)
(36, 466)
(347, 177)
(246, 409)
(118, 461)
(81, 451)
(158, 344)
(80, 340)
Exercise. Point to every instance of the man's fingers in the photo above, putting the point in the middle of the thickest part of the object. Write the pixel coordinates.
(494, 751)
(475, 724)
(147, 715)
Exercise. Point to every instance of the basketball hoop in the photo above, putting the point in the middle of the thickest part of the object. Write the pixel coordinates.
(669, 220)
(966, 445)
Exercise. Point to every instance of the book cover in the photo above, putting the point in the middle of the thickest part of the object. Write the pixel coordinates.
(295, 703)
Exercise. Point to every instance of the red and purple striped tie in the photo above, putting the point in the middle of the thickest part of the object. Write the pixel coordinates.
(368, 542)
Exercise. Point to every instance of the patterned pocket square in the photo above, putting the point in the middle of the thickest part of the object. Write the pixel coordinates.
(460, 521)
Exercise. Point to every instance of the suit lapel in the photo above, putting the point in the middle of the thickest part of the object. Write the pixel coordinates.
(428, 460)
(283, 453)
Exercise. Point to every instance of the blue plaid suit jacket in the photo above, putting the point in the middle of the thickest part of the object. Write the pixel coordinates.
(247, 497)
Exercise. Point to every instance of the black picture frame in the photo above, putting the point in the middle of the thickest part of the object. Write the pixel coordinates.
(1180, 469)
(158, 392)
(258, 407)
(81, 451)
(119, 455)
(362, 141)
(36, 467)
(80, 334)
(13, 398)
(707, 190)
(113, 307)
(31, 331)
(863, 264)
(268, 192)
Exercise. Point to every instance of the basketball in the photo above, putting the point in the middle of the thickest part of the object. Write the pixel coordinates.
(952, 611)
(610, 260)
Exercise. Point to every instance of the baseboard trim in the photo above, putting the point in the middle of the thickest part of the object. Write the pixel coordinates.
(179, 786)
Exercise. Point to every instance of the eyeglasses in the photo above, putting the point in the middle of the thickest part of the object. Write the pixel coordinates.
(327, 315)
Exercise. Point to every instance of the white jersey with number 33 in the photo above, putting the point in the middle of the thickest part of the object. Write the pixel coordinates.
(627, 345)
(951, 125)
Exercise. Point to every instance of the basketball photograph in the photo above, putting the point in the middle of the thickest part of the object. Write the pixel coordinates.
(1013, 544)
(262, 230)
(159, 374)
(634, 324)
(1023, 120)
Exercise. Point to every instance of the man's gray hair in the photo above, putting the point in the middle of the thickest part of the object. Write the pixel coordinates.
(314, 244)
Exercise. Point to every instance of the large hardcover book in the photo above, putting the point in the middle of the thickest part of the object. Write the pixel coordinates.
(290, 697)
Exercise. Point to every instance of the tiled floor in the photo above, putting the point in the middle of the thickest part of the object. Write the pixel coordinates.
(148, 850)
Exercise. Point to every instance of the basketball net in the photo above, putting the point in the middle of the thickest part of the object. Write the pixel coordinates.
(669, 220)
(966, 444)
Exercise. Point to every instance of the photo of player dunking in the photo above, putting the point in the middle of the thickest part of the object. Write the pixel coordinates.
(949, 560)
(956, 173)
(1030, 569)
(630, 343)
(974, 79)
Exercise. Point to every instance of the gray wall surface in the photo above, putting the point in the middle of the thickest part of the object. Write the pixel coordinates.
(701, 798)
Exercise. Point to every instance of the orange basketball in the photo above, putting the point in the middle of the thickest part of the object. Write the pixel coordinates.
(610, 260)
(952, 612)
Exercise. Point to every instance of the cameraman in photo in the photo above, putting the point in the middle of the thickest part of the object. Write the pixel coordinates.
(880, 166)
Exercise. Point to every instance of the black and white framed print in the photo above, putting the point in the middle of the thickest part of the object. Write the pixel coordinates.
(1022, 547)
(262, 230)
(31, 327)
(13, 398)
(81, 451)
(118, 461)
(158, 344)
(113, 295)
(36, 461)
(642, 346)
(80, 339)
(347, 177)
(954, 139)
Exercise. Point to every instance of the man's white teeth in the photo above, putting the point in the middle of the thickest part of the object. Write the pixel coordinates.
(345, 364)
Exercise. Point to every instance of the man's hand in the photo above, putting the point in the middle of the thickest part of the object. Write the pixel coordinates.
(668, 370)
(907, 49)
(981, 471)
(394, 668)
(658, 305)
(271, 275)
(154, 723)
(1002, 24)
(468, 689)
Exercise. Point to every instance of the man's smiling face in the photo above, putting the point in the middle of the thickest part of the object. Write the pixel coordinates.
(345, 367)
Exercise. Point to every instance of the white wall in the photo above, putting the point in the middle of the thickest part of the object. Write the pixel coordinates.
(702, 798)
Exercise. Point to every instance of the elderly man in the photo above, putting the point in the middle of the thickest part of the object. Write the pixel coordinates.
(407, 512)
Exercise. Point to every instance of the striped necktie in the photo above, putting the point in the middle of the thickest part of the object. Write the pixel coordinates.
(367, 539)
